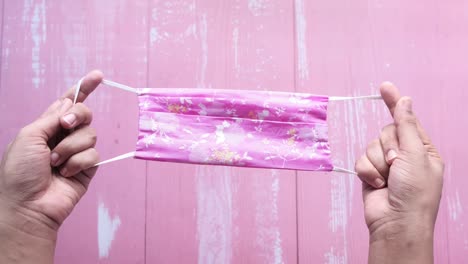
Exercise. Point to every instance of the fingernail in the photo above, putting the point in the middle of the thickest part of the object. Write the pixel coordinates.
(54, 157)
(379, 183)
(70, 119)
(391, 155)
(64, 172)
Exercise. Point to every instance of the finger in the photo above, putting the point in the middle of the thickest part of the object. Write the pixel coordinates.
(389, 143)
(376, 156)
(49, 123)
(80, 162)
(422, 134)
(76, 142)
(53, 107)
(89, 84)
(390, 95)
(366, 191)
(78, 114)
(368, 173)
(85, 176)
(406, 126)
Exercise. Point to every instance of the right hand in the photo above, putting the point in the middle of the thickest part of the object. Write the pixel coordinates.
(402, 174)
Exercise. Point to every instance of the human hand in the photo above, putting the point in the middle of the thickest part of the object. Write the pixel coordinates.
(402, 175)
(47, 168)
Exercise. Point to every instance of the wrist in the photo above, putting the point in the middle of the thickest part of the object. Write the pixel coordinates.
(403, 240)
(25, 237)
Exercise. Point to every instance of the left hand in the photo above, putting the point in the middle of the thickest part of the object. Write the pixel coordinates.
(49, 165)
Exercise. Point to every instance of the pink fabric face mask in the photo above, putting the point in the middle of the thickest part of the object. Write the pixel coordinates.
(238, 128)
(259, 129)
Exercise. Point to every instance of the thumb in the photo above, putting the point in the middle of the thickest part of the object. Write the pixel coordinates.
(49, 123)
(407, 126)
(390, 95)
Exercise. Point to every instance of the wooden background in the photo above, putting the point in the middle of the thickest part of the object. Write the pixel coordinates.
(150, 212)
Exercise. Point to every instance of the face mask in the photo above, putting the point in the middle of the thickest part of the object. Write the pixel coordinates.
(258, 129)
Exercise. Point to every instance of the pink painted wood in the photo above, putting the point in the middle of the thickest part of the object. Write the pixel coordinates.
(149, 212)
(222, 214)
(47, 46)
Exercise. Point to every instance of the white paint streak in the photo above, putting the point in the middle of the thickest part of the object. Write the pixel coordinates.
(301, 26)
(338, 210)
(107, 228)
(155, 36)
(256, 7)
(342, 190)
(204, 48)
(214, 214)
(333, 257)
(267, 219)
(235, 47)
(454, 206)
(34, 15)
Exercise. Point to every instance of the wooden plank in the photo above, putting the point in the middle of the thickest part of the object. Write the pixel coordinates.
(445, 108)
(220, 214)
(2, 4)
(331, 59)
(46, 48)
(408, 53)
(346, 48)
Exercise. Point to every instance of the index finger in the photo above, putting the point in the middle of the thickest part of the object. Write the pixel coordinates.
(89, 84)
(406, 126)
(390, 95)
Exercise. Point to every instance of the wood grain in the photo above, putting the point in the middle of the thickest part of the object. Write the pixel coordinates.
(178, 213)
(223, 215)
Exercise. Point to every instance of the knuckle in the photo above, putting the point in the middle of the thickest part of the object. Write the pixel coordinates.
(91, 135)
(24, 131)
(388, 131)
(73, 165)
(372, 147)
(83, 111)
(410, 119)
(388, 127)
(63, 147)
(90, 159)
(94, 154)
(89, 155)
(359, 165)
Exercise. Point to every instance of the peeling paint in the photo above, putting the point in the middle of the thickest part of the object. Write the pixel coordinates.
(204, 48)
(34, 15)
(235, 47)
(332, 257)
(107, 228)
(267, 219)
(214, 214)
(256, 7)
(301, 29)
(154, 36)
(454, 206)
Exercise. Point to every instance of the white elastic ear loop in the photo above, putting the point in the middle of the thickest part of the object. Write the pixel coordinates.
(347, 98)
(120, 157)
(112, 84)
(77, 90)
(344, 98)
(338, 169)
(120, 86)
